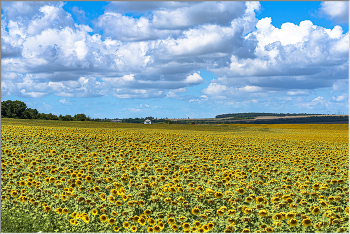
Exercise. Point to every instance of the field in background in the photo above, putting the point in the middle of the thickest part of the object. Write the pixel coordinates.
(116, 177)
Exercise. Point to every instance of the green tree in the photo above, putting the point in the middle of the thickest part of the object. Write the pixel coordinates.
(65, 118)
(30, 113)
(79, 117)
(13, 109)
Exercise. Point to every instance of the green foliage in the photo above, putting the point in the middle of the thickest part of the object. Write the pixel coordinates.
(65, 118)
(80, 117)
(13, 109)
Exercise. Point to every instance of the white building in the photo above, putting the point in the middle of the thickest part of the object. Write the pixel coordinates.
(147, 121)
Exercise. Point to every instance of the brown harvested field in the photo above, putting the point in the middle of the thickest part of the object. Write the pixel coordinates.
(257, 118)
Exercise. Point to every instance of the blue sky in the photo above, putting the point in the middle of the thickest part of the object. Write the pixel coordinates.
(175, 59)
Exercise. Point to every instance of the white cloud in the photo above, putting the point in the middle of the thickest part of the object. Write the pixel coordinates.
(173, 93)
(51, 16)
(298, 93)
(134, 110)
(250, 89)
(221, 13)
(33, 94)
(340, 98)
(336, 10)
(214, 89)
(195, 78)
(64, 101)
(171, 40)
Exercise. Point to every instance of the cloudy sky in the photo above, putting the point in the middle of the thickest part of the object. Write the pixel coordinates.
(175, 59)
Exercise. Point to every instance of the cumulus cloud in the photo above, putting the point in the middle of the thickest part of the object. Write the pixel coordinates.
(64, 101)
(298, 92)
(338, 11)
(195, 78)
(158, 53)
(173, 93)
(303, 56)
(340, 98)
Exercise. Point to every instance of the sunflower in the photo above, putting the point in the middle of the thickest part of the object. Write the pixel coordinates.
(263, 213)
(220, 212)
(161, 225)
(114, 192)
(103, 218)
(151, 221)
(118, 203)
(111, 199)
(180, 189)
(240, 191)
(293, 222)
(156, 229)
(65, 210)
(142, 221)
(86, 219)
(150, 230)
(323, 203)
(59, 210)
(72, 221)
(14, 193)
(94, 212)
(167, 200)
(171, 220)
(97, 189)
(88, 179)
(290, 215)
(116, 229)
(249, 199)
(205, 227)
(111, 221)
(316, 210)
(218, 195)
(269, 229)
(147, 212)
(246, 230)
(113, 213)
(277, 216)
(197, 224)
(126, 225)
(306, 222)
(195, 211)
(277, 223)
(186, 226)
(211, 225)
(56, 196)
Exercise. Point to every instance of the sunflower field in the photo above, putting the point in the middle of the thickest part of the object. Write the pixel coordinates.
(116, 177)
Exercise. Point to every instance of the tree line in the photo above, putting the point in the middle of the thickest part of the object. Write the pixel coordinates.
(19, 110)
(252, 115)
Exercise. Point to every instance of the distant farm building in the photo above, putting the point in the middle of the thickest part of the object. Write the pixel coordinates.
(147, 121)
(116, 120)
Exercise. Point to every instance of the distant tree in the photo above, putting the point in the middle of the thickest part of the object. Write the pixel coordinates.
(79, 117)
(48, 116)
(30, 114)
(65, 118)
(13, 109)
